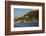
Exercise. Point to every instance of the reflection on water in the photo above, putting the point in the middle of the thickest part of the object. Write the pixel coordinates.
(34, 24)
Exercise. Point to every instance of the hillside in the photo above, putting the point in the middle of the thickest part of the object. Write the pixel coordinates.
(30, 16)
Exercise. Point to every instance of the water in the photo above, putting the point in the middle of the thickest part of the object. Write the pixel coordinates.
(34, 24)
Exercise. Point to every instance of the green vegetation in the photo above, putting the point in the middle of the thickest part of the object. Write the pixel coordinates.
(31, 16)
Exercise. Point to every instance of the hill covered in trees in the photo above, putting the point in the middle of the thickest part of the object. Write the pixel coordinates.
(29, 17)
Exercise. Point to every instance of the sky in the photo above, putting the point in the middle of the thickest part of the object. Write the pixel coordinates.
(20, 11)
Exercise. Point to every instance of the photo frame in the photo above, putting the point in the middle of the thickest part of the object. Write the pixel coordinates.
(11, 13)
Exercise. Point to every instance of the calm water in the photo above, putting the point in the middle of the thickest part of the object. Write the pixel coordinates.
(26, 24)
